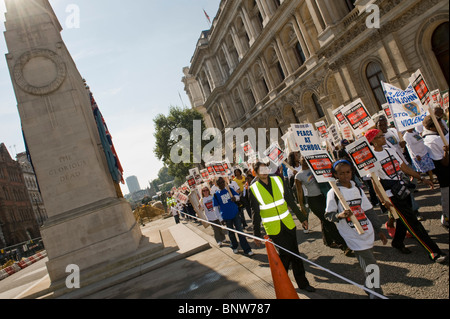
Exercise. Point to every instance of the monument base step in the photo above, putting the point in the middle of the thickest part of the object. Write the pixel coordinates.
(157, 248)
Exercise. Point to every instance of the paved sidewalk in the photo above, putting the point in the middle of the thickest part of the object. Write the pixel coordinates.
(217, 273)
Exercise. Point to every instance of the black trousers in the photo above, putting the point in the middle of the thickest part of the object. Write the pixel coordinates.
(330, 233)
(288, 240)
(408, 222)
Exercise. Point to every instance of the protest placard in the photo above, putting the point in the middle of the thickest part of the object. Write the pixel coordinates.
(194, 171)
(334, 134)
(363, 157)
(437, 98)
(322, 128)
(423, 92)
(219, 169)
(198, 179)
(205, 174)
(191, 181)
(358, 117)
(340, 119)
(275, 154)
(289, 142)
(387, 112)
(407, 110)
(445, 101)
(420, 86)
(228, 168)
(181, 198)
(194, 199)
(366, 162)
(321, 166)
(248, 148)
(306, 137)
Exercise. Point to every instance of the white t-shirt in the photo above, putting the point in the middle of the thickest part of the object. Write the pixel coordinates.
(208, 207)
(435, 146)
(359, 203)
(291, 172)
(235, 186)
(214, 189)
(415, 144)
(387, 171)
(393, 141)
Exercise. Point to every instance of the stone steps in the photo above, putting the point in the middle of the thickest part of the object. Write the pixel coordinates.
(157, 248)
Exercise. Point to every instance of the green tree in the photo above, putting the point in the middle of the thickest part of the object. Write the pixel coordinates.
(164, 126)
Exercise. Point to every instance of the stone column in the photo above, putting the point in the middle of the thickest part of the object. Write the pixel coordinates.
(88, 224)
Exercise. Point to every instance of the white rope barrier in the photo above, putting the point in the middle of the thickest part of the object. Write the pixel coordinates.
(298, 256)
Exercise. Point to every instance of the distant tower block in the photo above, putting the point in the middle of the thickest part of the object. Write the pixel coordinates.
(88, 223)
(133, 184)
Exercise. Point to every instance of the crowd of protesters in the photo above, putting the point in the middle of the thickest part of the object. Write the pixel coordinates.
(271, 198)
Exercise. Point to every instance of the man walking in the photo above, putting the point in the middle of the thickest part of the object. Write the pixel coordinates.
(225, 202)
(270, 203)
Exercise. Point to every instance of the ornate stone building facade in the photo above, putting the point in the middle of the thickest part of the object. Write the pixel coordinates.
(31, 183)
(270, 63)
(17, 221)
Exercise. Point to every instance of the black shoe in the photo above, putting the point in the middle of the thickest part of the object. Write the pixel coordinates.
(349, 253)
(402, 249)
(309, 288)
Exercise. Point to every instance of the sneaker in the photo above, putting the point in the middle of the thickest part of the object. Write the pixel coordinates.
(439, 259)
(251, 253)
(306, 231)
(220, 244)
(236, 251)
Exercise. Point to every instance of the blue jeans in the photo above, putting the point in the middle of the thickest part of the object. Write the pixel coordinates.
(236, 224)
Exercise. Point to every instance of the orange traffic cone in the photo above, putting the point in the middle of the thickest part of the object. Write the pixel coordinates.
(284, 289)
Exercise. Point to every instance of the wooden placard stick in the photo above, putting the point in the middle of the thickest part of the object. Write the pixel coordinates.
(346, 206)
(382, 192)
(227, 186)
(436, 123)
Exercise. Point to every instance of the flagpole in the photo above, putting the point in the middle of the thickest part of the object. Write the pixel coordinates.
(207, 18)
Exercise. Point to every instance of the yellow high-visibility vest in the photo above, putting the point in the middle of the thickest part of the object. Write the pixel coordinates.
(273, 209)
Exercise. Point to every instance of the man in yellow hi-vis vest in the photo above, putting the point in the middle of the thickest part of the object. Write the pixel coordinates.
(271, 200)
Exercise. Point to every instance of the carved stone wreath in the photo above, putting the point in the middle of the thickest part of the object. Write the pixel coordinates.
(48, 55)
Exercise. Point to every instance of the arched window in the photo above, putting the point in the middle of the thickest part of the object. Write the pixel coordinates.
(375, 75)
(440, 44)
(319, 109)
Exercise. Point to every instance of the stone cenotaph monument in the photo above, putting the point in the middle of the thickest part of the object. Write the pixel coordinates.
(89, 224)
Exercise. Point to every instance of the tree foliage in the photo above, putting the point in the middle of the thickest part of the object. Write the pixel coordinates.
(164, 125)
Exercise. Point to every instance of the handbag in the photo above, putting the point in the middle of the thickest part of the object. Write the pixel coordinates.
(398, 188)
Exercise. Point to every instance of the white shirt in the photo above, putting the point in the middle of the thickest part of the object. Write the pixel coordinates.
(235, 186)
(387, 171)
(359, 203)
(208, 207)
(415, 144)
(393, 141)
(435, 145)
(291, 173)
(214, 189)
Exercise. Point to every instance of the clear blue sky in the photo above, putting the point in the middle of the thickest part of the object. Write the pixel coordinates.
(131, 53)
